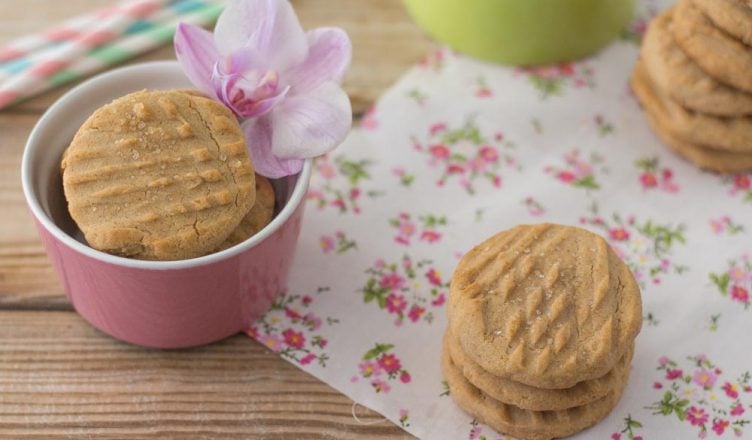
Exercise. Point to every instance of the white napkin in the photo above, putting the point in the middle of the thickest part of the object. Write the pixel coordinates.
(459, 150)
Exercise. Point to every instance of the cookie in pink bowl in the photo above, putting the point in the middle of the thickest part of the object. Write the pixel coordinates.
(291, 109)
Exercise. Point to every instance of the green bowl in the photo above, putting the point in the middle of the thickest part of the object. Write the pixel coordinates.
(523, 32)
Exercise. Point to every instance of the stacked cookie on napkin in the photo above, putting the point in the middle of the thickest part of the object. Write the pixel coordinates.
(542, 321)
(694, 79)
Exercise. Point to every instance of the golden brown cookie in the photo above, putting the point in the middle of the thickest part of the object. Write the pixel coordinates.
(521, 423)
(733, 16)
(192, 92)
(535, 399)
(260, 215)
(158, 175)
(545, 305)
(677, 76)
(703, 157)
(723, 57)
(733, 134)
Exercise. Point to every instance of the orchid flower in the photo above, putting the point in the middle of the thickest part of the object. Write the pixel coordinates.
(281, 82)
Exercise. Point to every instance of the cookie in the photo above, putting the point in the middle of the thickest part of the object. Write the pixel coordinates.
(721, 56)
(545, 305)
(260, 215)
(733, 134)
(677, 76)
(536, 399)
(703, 157)
(521, 423)
(192, 92)
(158, 175)
(733, 16)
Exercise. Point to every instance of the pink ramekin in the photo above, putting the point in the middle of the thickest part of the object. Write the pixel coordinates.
(165, 304)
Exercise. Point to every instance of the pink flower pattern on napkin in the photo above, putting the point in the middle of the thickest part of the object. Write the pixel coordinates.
(534, 207)
(338, 243)
(629, 431)
(578, 172)
(406, 178)
(381, 367)
(635, 30)
(735, 281)
(407, 289)
(404, 418)
(696, 392)
(370, 120)
(646, 246)
(482, 432)
(654, 177)
(338, 184)
(603, 126)
(724, 225)
(740, 185)
(482, 90)
(554, 79)
(434, 61)
(466, 155)
(293, 330)
(426, 228)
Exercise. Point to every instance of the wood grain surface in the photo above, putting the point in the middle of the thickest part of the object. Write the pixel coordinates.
(60, 378)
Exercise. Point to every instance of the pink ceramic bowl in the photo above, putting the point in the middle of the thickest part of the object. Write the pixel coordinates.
(166, 304)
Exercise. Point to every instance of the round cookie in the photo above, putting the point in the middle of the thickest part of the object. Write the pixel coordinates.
(545, 305)
(536, 399)
(723, 57)
(732, 134)
(260, 215)
(714, 160)
(521, 423)
(733, 16)
(679, 77)
(192, 92)
(158, 175)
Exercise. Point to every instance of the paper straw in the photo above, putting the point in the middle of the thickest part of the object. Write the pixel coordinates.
(156, 34)
(44, 63)
(24, 46)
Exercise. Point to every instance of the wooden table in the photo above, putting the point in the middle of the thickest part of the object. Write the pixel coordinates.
(60, 378)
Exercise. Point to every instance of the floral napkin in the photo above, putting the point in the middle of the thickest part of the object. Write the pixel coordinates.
(458, 150)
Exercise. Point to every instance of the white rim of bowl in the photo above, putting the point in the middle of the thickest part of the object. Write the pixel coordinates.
(296, 198)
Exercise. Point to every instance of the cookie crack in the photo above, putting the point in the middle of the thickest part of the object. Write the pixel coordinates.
(195, 228)
(217, 146)
(207, 192)
(620, 295)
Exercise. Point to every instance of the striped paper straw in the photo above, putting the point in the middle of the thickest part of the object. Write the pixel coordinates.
(74, 35)
(46, 62)
(139, 37)
(20, 47)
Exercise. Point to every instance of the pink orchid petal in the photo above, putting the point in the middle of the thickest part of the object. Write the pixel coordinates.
(268, 26)
(242, 60)
(245, 92)
(310, 125)
(195, 50)
(255, 108)
(263, 106)
(242, 66)
(329, 55)
(259, 135)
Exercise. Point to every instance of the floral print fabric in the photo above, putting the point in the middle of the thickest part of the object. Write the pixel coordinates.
(459, 150)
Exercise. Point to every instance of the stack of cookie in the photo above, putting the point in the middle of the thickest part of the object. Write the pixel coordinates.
(694, 79)
(542, 321)
(164, 175)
